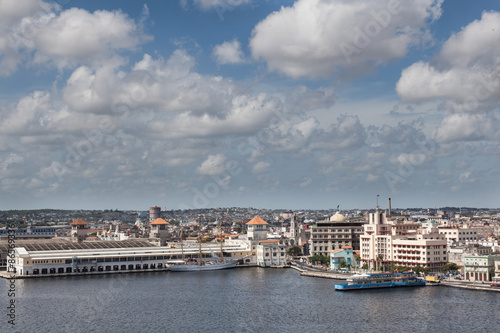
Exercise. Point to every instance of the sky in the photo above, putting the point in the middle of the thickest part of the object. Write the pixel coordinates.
(307, 104)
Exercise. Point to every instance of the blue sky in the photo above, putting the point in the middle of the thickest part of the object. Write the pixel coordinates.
(273, 104)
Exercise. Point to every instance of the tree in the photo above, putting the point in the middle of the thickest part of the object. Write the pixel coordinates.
(294, 251)
(365, 266)
(421, 270)
(325, 260)
(342, 264)
(450, 267)
(357, 260)
(380, 257)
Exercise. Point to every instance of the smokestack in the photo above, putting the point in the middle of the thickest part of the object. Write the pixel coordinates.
(389, 206)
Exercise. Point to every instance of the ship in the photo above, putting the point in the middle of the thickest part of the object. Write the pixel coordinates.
(185, 266)
(190, 266)
(381, 280)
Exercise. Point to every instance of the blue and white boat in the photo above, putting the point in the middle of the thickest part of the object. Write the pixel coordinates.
(381, 280)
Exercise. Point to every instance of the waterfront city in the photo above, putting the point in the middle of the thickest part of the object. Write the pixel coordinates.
(249, 166)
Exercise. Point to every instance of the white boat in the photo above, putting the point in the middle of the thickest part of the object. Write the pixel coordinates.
(188, 266)
(183, 266)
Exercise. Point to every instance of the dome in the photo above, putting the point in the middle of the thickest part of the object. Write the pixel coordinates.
(337, 217)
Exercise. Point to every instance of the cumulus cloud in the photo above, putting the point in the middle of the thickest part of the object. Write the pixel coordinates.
(78, 35)
(213, 165)
(464, 74)
(40, 31)
(467, 127)
(19, 23)
(314, 38)
(229, 53)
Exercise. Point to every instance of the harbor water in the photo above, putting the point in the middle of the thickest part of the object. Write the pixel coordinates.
(238, 300)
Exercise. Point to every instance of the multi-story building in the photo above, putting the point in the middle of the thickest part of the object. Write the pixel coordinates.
(480, 268)
(384, 243)
(426, 249)
(334, 234)
(458, 234)
(160, 232)
(496, 278)
(272, 252)
(456, 254)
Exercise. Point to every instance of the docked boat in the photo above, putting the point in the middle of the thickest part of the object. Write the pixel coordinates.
(184, 266)
(381, 280)
(200, 265)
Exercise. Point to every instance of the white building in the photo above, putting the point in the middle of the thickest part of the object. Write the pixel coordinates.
(272, 252)
(383, 245)
(459, 235)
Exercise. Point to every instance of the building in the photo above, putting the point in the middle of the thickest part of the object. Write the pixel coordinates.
(99, 257)
(458, 234)
(335, 233)
(154, 213)
(79, 230)
(38, 232)
(496, 278)
(272, 252)
(160, 231)
(257, 229)
(480, 268)
(346, 255)
(383, 245)
(456, 254)
(298, 234)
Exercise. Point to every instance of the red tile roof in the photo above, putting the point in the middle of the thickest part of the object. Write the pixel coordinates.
(159, 221)
(256, 221)
(78, 221)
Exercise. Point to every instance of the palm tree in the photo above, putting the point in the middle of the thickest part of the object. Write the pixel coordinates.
(380, 257)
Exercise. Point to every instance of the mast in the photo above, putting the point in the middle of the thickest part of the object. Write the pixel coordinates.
(182, 246)
(200, 260)
(221, 252)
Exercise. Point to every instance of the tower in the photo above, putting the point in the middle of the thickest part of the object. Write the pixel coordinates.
(78, 230)
(154, 213)
(257, 229)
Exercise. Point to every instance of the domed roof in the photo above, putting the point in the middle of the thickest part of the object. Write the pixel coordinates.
(337, 217)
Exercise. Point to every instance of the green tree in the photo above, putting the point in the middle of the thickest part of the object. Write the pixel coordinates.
(342, 264)
(450, 267)
(357, 260)
(325, 260)
(294, 251)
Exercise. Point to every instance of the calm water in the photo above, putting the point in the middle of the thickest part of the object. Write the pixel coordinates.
(240, 300)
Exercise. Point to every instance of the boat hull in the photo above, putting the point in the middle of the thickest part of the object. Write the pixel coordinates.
(207, 267)
(345, 287)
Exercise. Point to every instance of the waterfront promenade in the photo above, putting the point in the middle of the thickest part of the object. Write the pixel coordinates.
(317, 273)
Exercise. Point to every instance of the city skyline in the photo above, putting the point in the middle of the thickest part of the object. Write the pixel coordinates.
(242, 103)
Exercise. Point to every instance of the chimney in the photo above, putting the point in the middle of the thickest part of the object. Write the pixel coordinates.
(389, 206)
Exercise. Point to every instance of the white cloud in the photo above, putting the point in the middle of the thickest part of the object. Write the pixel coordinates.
(19, 23)
(465, 73)
(315, 38)
(229, 53)
(213, 165)
(39, 32)
(467, 127)
(209, 4)
(77, 35)
(261, 167)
